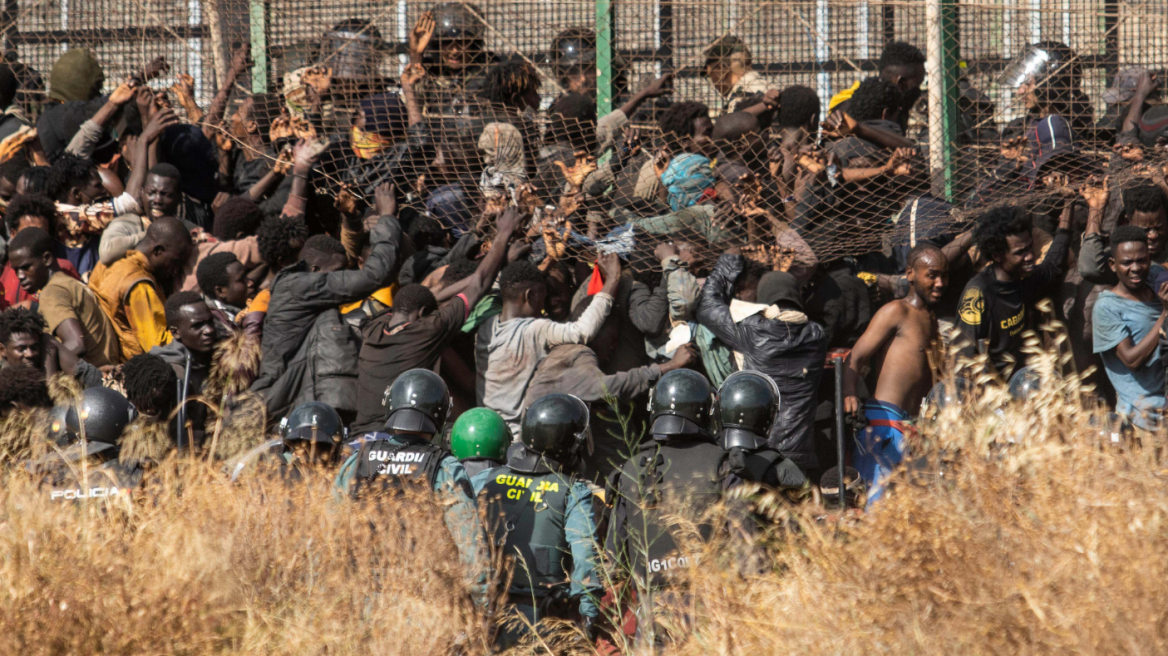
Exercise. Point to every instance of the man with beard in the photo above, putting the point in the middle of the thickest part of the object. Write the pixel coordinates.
(898, 338)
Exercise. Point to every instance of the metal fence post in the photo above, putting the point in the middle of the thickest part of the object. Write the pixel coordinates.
(604, 51)
(258, 11)
(943, 45)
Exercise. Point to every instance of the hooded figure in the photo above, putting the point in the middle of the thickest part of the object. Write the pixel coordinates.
(77, 75)
(503, 153)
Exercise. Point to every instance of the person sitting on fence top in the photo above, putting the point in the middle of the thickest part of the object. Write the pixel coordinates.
(902, 64)
(727, 66)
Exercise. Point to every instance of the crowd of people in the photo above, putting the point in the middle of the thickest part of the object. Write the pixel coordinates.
(524, 309)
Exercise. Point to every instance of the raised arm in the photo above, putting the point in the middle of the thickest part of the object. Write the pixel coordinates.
(161, 120)
(585, 328)
(714, 299)
(1144, 88)
(380, 267)
(476, 283)
(1055, 262)
(304, 157)
(654, 89)
(91, 130)
(409, 81)
(240, 61)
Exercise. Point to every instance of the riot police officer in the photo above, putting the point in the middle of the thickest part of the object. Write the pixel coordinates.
(456, 59)
(417, 404)
(404, 456)
(573, 61)
(106, 415)
(312, 435)
(746, 406)
(681, 461)
(479, 439)
(541, 515)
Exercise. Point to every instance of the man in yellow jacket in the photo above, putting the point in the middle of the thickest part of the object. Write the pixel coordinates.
(129, 291)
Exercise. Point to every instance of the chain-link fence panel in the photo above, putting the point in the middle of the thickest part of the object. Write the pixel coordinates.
(936, 111)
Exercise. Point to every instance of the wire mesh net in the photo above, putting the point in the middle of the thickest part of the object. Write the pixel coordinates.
(1020, 104)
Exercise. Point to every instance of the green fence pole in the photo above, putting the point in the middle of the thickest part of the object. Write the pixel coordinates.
(259, 45)
(950, 67)
(943, 46)
(604, 49)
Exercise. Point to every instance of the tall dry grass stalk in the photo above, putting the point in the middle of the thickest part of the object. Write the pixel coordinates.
(1018, 529)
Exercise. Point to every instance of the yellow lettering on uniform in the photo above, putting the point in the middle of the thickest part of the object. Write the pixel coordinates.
(972, 306)
(514, 494)
(536, 497)
(501, 479)
(555, 487)
(1015, 320)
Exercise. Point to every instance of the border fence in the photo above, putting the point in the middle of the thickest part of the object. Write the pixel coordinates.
(827, 45)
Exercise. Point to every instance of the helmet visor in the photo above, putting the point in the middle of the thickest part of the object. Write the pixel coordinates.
(1031, 64)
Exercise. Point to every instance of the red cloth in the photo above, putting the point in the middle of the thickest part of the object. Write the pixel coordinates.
(11, 293)
(596, 282)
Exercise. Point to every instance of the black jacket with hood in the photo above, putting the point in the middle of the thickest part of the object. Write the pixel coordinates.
(791, 353)
(303, 304)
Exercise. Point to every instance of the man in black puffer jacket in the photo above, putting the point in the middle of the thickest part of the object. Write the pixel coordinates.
(777, 340)
(303, 324)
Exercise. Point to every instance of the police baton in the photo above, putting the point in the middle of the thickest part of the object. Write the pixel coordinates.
(838, 364)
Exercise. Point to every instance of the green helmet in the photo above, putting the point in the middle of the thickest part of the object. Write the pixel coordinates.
(556, 427)
(745, 409)
(417, 401)
(313, 422)
(680, 403)
(480, 434)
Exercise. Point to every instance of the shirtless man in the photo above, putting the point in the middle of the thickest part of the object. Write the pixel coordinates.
(898, 338)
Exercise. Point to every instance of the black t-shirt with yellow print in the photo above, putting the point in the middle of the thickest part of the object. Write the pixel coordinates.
(993, 315)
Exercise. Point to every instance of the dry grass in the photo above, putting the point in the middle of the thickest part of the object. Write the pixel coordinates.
(1054, 543)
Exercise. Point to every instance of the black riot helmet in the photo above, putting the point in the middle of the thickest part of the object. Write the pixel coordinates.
(556, 427)
(680, 404)
(105, 413)
(313, 422)
(457, 21)
(573, 47)
(417, 401)
(745, 408)
(1047, 64)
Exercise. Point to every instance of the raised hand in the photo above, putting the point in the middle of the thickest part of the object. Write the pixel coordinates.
(124, 93)
(162, 119)
(1096, 192)
(839, 124)
(420, 36)
(660, 86)
(241, 59)
(385, 199)
(156, 67)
